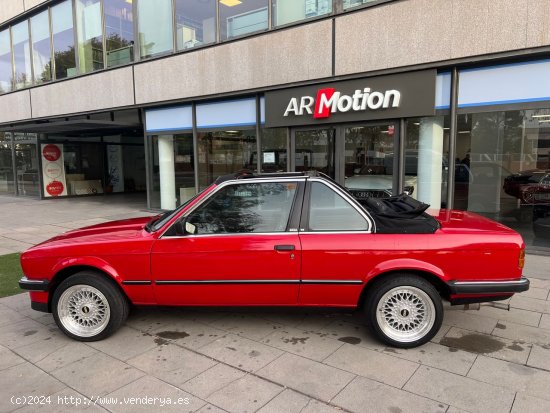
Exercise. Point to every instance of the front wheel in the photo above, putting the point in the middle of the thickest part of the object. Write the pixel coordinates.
(404, 310)
(89, 307)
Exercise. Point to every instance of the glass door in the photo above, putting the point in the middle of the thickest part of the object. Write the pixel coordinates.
(314, 150)
(370, 164)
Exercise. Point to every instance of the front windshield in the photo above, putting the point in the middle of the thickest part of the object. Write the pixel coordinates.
(158, 222)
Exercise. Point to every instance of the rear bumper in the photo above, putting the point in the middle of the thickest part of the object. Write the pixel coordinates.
(33, 285)
(488, 287)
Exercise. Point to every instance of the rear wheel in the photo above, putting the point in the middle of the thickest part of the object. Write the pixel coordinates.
(89, 307)
(404, 310)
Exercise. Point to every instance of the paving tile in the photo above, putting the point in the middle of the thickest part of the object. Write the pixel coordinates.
(287, 318)
(135, 343)
(539, 283)
(525, 403)
(64, 355)
(539, 358)
(380, 397)
(139, 396)
(545, 321)
(461, 392)
(40, 349)
(307, 376)
(25, 380)
(171, 363)
(287, 401)
(64, 401)
(302, 343)
(534, 292)
(17, 301)
(511, 375)
(468, 320)
(453, 409)
(8, 358)
(97, 375)
(316, 322)
(9, 315)
(522, 334)
(435, 355)
(314, 406)
(211, 380)
(246, 325)
(209, 408)
(241, 352)
(478, 343)
(187, 333)
(441, 333)
(372, 364)
(23, 333)
(347, 332)
(531, 304)
(515, 315)
(247, 394)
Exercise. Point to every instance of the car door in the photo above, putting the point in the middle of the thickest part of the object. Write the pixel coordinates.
(242, 253)
(336, 239)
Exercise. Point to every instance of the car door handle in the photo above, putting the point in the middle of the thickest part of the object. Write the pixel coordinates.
(284, 247)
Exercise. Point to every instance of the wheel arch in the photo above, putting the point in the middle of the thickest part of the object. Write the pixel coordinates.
(432, 278)
(68, 271)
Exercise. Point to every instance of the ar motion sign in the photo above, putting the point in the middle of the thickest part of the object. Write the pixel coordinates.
(329, 101)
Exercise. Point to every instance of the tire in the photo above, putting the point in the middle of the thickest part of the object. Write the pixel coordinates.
(404, 310)
(89, 307)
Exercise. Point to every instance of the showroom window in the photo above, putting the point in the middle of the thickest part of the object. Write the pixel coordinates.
(119, 32)
(6, 72)
(195, 23)
(7, 182)
(90, 35)
(290, 11)
(21, 54)
(238, 18)
(63, 40)
(155, 27)
(274, 150)
(41, 47)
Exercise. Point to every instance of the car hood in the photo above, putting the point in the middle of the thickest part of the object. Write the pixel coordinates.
(105, 232)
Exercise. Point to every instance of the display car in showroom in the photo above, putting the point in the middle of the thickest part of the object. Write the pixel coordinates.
(290, 239)
(530, 187)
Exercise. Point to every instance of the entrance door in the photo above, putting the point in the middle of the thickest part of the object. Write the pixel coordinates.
(314, 150)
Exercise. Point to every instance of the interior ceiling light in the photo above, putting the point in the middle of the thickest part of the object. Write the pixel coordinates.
(230, 3)
(540, 116)
(544, 121)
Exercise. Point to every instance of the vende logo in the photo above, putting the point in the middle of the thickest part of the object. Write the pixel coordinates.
(51, 152)
(55, 188)
(329, 101)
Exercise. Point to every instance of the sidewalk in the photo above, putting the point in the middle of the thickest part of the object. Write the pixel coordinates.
(266, 360)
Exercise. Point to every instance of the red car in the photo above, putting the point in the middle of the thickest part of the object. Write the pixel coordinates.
(276, 240)
(530, 187)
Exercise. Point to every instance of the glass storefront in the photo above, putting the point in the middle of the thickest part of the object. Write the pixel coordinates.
(240, 18)
(225, 152)
(274, 158)
(41, 47)
(21, 54)
(314, 150)
(7, 182)
(26, 164)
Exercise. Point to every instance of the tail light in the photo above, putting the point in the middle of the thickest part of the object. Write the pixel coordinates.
(521, 259)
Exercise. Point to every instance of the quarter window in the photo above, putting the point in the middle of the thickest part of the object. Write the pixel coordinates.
(328, 211)
(246, 208)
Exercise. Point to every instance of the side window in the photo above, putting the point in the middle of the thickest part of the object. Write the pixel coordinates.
(247, 207)
(328, 211)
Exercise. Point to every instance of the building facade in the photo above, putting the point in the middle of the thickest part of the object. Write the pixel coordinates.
(448, 101)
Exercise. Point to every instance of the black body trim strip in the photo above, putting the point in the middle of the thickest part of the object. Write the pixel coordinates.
(488, 287)
(136, 282)
(33, 285)
(198, 282)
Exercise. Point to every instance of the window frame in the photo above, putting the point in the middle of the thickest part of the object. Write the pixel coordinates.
(293, 217)
(304, 222)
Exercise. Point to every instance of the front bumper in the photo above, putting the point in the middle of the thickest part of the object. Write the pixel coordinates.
(488, 287)
(33, 285)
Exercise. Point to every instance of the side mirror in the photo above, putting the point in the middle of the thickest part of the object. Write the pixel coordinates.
(190, 228)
